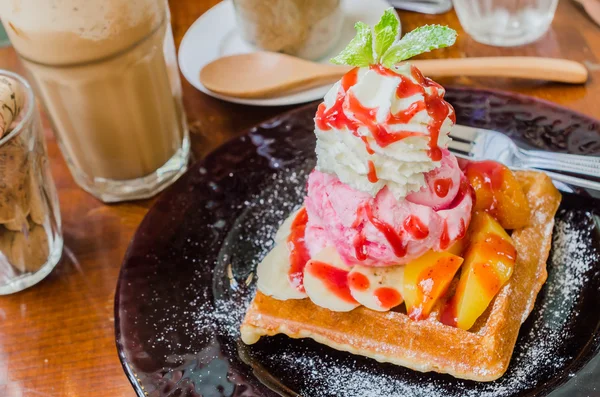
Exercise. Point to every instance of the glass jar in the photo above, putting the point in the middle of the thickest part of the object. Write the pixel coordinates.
(106, 72)
(505, 23)
(30, 232)
(304, 28)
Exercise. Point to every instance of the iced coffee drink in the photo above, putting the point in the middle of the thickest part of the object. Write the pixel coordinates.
(107, 74)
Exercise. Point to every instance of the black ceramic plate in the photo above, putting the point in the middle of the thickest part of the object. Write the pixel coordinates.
(188, 275)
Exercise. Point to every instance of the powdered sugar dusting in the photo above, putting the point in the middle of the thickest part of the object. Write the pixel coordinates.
(540, 350)
(545, 349)
(571, 246)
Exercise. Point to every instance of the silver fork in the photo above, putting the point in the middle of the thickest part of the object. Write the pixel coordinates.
(423, 6)
(482, 144)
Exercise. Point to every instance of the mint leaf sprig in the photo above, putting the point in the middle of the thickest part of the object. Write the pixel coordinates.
(386, 31)
(419, 41)
(359, 52)
(386, 48)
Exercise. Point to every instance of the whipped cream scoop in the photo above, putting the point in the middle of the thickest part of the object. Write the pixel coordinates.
(381, 127)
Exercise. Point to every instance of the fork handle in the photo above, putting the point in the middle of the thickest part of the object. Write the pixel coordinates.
(572, 180)
(583, 165)
(591, 160)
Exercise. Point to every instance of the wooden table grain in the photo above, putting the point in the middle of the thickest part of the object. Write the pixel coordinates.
(57, 338)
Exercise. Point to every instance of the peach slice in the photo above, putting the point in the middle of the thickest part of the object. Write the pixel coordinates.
(483, 224)
(426, 279)
(498, 192)
(458, 247)
(488, 265)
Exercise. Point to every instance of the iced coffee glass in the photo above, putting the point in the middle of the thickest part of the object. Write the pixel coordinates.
(30, 235)
(107, 74)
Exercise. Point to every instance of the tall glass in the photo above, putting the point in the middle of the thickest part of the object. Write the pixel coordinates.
(505, 22)
(30, 233)
(107, 74)
(303, 28)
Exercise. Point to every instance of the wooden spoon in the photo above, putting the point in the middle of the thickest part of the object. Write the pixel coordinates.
(592, 7)
(271, 74)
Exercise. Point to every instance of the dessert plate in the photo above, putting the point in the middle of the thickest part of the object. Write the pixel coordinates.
(215, 34)
(189, 274)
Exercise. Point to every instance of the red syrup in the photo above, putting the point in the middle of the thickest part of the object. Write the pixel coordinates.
(393, 237)
(299, 255)
(415, 227)
(462, 230)
(388, 297)
(442, 186)
(360, 247)
(334, 279)
(449, 315)
(438, 110)
(496, 249)
(335, 116)
(404, 116)
(358, 281)
(490, 172)
(436, 107)
(372, 175)
(445, 238)
(489, 178)
(464, 189)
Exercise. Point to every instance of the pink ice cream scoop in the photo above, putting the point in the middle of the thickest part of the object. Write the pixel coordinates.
(442, 184)
(383, 231)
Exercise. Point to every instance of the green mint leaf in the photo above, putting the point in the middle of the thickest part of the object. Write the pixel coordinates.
(359, 52)
(386, 32)
(419, 41)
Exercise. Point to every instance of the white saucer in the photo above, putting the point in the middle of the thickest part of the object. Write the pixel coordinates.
(214, 35)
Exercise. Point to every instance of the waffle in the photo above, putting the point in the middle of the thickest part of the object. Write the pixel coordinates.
(482, 353)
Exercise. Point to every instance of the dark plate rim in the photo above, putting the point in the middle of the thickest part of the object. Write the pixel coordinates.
(163, 197)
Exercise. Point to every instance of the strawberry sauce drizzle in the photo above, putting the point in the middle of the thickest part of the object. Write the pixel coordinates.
(445, 237)
(434, 103)
(442, 186)
(449, 315)
(358, 281)
(404, 116)
(335, 116)
(388, 297)
(394, 238)
(372, 175)
(360, 247)
(415, 227)
(496, 249)
(334, 279)
(490, 174)
(299, 255)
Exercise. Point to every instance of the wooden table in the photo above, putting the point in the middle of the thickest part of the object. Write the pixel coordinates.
(57, 338)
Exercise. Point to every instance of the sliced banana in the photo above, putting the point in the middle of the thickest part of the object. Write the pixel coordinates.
(326, 281)
(378, 288)
(273, 273)
(284, 230)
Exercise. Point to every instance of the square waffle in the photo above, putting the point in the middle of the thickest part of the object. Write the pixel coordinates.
(482, 353)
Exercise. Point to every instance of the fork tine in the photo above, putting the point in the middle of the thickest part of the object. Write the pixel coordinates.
(462, 147)
(461, 155)
(463, 133)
